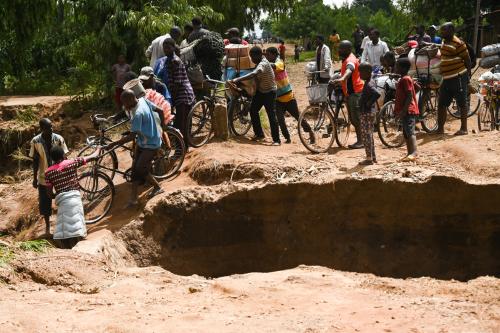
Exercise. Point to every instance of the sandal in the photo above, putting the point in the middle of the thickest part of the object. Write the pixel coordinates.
(409, 158)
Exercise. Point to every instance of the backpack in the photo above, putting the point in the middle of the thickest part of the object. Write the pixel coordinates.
(472, 55)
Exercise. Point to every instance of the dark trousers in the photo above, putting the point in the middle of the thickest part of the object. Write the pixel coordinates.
(180, 121)
(358, 50)
(293, 109)
(268, 101)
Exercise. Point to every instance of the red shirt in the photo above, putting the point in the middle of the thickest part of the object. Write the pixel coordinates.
(404, 87)
(353, 84)
(63, 176)
(282, 49)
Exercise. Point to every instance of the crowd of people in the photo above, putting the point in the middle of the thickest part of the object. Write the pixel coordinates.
(149, 99)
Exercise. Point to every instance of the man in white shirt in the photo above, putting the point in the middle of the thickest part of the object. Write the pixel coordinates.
(323, 60)
(374, 49)
(155, 50)
(366, 39)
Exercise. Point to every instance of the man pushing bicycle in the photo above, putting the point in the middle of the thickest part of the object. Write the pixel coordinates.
(148, 141)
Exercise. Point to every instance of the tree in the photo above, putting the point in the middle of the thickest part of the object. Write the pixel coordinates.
(374, 5)
(436, 10)
(243, 14)
(76, 41)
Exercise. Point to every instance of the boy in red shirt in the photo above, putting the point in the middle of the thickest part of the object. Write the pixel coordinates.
(406, 107)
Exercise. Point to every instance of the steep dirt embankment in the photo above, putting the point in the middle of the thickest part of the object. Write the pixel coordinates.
(444, 228)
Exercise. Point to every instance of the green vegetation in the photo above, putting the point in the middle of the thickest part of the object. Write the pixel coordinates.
(8, 252)
(38, 245)
(27, 116)
(394, 19)
(68, 47)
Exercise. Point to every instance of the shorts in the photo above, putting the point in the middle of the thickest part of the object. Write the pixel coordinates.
(408, 123)
(44, 201)
(455, 88)
(141, 167)
(118, 96)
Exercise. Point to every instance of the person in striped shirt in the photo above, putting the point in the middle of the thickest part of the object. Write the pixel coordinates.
(455, 68)
(179, 86)
(285, 99)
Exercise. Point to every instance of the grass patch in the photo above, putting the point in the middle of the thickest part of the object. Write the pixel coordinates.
(27, 116)
(39, 245)
(6, 254)
(8, 251)
(304, 56)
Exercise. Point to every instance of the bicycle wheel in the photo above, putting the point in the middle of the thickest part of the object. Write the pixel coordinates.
(485, 118)
(429, 116)
(342, 125)
(108, 163)
(169, 159)
(97, 191)
(389, 127)
(239, 116)
(199, 124)
(472, 109)
(322, 124)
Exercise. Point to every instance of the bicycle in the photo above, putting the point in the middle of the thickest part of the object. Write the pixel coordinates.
(488, 116)
(327, 117)
(455, 112)
(239, 111)
(165, 165)
(389, 128)
(97, 192)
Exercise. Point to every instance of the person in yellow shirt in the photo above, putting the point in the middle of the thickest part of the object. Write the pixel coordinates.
(285, 99)
(335, 41)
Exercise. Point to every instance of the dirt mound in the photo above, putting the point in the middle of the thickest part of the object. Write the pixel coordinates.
(443, 228)
(68, 270)
(212, 165)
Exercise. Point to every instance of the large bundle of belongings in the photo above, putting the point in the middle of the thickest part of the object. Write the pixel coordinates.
(426, 64)
(490, 80)
(237, 63)
(203, 57)
(490, 56)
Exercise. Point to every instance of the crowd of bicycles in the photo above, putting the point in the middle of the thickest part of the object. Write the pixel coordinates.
(326, 115)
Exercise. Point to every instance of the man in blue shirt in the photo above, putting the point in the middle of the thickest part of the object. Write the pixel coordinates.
(432, 30)
(148, 142)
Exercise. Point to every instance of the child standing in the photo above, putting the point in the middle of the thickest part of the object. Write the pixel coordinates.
(285, 99)
(296, 52)
(264, 96)
(119, 69)
(406, 107)
(368, 111)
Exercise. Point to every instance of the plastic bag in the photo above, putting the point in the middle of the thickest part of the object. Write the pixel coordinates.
(490, 61)
(490, 50)
(317, 93)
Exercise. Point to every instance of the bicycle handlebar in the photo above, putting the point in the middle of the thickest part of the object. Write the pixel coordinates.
(317, 72)
(214, 81)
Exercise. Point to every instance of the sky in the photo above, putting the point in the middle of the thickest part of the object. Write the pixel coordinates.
(338, 3)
